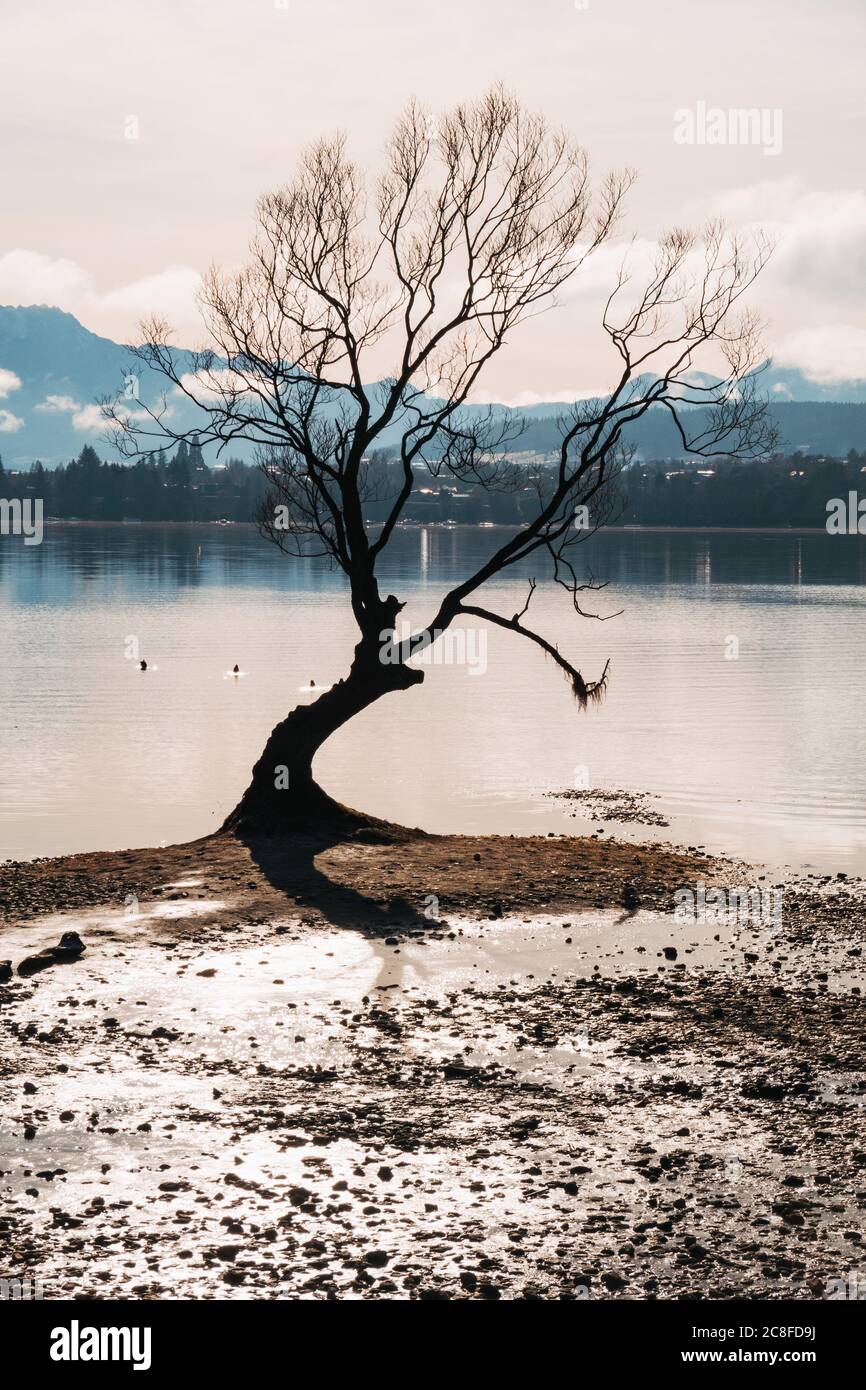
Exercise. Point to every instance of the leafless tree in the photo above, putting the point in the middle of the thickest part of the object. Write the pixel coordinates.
(476, 225)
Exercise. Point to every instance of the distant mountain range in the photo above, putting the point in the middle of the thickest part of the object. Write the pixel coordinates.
(53, 370)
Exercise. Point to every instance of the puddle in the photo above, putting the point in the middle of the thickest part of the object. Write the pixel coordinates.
(114, 924)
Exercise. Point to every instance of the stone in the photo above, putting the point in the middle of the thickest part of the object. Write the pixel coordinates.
(69, 948)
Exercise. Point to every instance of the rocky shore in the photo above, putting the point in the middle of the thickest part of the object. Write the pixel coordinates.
(410, 1066)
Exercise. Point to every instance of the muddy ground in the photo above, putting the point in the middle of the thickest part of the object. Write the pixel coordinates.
(428, 1067)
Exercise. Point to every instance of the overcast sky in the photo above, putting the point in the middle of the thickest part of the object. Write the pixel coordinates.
(225, 92)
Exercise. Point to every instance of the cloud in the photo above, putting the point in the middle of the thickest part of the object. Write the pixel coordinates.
(58, 404)
(170, 292)
(217, 384)
(91, 419)
(29, 277)
(9, 423)
(810, 293)
(597, 276)
(820, 234)
(8, 382)
(829, 353)
(524, 399)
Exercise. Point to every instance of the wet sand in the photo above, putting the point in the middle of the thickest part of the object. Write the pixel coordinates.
(428, 1067)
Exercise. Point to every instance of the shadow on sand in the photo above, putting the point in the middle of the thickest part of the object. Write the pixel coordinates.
(288, 862)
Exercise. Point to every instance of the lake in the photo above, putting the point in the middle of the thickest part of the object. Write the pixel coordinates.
(738, 670)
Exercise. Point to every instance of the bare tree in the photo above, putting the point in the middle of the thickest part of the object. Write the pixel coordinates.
(476, 225)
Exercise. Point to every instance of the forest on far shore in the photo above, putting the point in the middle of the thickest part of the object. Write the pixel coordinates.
(786, 490)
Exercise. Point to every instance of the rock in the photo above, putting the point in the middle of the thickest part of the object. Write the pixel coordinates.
(32, 964)
(69, 948)
(5, 971)
(670, 952)
(70, 945)
(763, 1089)
(376, 1258)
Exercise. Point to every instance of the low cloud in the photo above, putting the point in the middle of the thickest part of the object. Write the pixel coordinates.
(525, 399)
(219, 384)
(9, 423)
(8, 382)
(91, 420)
(58, 405)
(29, 277)
(833, 352)
(820, 234)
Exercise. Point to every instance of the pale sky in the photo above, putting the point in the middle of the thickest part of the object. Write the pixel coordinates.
(223, 93)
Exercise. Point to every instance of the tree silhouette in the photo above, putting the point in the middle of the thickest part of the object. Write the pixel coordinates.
(476, 223)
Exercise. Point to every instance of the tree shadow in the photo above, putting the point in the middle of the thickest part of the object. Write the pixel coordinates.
(288, 862)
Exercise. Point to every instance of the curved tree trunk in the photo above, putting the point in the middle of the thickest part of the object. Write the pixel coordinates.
(283, 795)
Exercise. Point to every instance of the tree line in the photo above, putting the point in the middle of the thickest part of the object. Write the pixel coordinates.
(161, 487)
(786, 490)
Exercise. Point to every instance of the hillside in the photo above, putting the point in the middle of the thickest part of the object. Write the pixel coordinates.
(53, 370)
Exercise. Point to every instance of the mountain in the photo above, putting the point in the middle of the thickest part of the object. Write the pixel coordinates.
(815, 427)
(63, 369)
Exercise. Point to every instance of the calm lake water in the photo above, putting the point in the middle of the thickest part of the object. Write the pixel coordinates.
(755, 746)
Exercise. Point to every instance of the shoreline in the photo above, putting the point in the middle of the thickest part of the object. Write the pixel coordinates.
(271, 1075)
(57, 523)
(470, 871)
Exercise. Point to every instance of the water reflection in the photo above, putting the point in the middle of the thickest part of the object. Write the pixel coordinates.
(208, 556)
